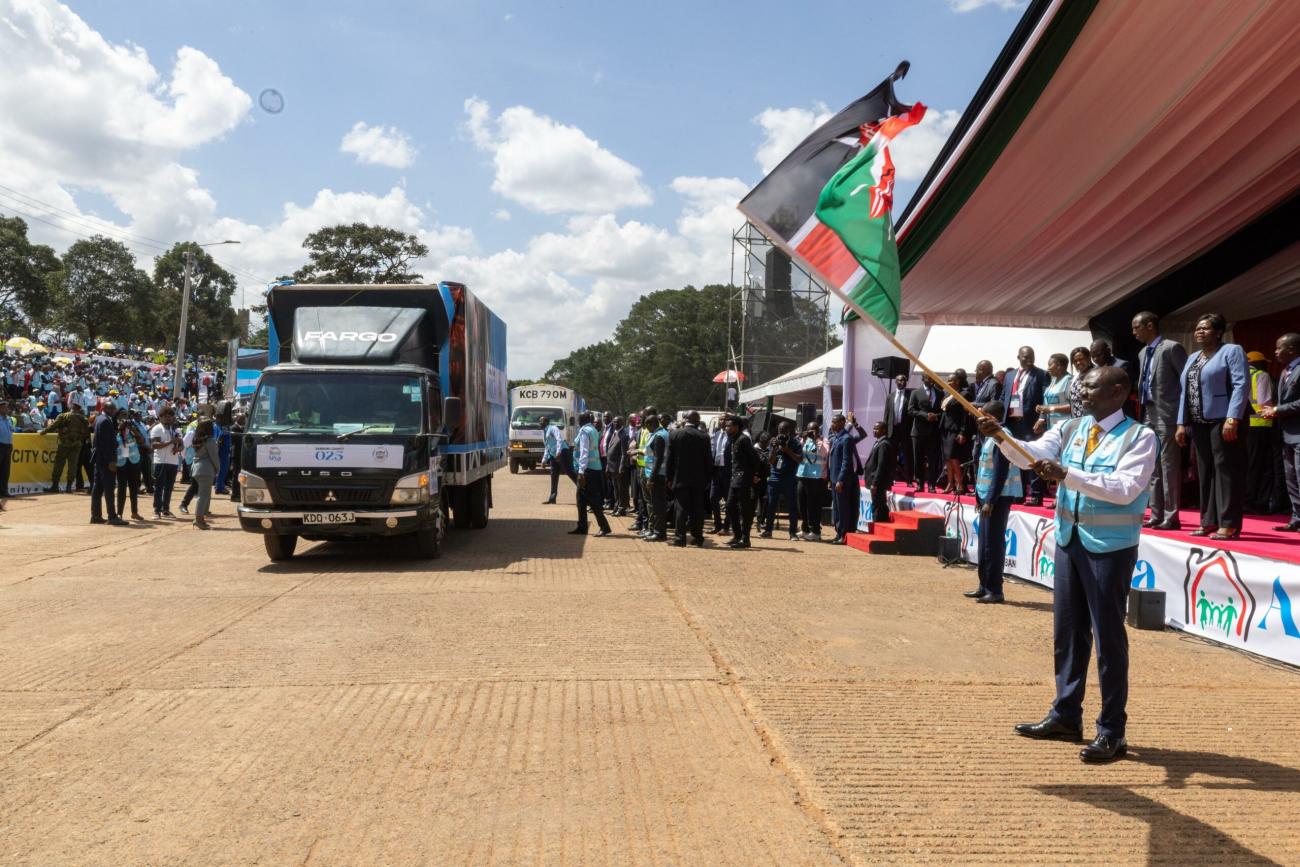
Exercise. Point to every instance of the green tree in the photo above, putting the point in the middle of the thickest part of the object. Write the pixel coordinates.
(672, 343)
(212, 319)
(98, 292)
(24, 298)
(359, 253)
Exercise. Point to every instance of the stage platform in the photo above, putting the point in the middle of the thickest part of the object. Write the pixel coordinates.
(1244, 593)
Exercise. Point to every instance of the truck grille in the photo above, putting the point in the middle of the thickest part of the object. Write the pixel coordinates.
(320, 495)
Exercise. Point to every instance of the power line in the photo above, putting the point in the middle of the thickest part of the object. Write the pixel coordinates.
(140, 243)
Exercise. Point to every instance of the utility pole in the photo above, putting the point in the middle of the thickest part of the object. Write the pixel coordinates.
(185, 317)
(185, 323)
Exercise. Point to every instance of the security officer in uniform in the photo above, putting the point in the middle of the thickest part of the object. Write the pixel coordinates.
(1103, 463)
(72, 428)
(1259, 438)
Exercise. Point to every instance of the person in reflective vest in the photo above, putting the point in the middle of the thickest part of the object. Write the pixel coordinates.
(1260, 477)
(655, 528)
(590, 475)
(997, 486)
(1103, 463)
(558, 453)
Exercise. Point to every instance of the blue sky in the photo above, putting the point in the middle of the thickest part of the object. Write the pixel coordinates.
(639, 124)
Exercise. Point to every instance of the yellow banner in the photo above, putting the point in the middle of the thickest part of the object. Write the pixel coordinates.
(32, 464)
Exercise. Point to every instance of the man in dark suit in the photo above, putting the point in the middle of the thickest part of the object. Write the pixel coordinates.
(1103, 354)
(923, 407)
(1159, 389)
(899, 426)
(744, 475)
(690, 470)
(720, 445)
(879, 473)
(987, 388)
(1286, 414)
(1022, 390)
(617, 463)
(845, 466)
(103, 454)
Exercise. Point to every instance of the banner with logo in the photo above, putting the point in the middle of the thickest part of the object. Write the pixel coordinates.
(1226, 596)
(298, 455)
(32, 464)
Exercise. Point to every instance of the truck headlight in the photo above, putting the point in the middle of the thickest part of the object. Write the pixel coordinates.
(253, 490)
(411, 490)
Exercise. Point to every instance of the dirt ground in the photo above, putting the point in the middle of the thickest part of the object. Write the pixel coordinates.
(168, 696)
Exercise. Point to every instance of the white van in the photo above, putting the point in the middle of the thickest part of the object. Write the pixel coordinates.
(528, 403)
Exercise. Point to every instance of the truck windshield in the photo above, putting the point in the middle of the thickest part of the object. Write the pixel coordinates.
(338, 403)
(526, 417)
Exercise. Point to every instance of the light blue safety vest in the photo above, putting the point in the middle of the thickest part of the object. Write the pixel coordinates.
(811, 465)
(1102, 527)
(128, 450)
(554, 441)
(588, 436)
(984, 474)
(650, 469)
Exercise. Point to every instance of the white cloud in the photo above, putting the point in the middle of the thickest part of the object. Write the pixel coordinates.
(916, 147)
(83, 113)
(277, 249)
(972, 5)
(501, 215)
(550, 167)
(377, 146)
(783, 129)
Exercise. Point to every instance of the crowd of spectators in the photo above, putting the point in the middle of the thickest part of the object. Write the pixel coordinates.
(120, 429)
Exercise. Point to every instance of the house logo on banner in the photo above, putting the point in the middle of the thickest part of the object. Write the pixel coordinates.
(954, 514)
(1041, 565)
(1217, 601)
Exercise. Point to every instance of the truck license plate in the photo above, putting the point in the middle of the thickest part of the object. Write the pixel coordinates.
(329, 518)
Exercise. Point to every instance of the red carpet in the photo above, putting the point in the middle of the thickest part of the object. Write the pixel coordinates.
(1257, 534)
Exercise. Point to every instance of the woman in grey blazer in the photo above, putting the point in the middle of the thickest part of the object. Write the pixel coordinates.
(1216, 385)
(207, 458)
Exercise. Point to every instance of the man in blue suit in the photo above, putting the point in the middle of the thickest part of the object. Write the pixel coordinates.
(1287, 413)
(845, 467)
(1022, 393)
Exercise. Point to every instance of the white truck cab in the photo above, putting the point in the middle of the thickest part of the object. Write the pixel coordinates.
(528, 405)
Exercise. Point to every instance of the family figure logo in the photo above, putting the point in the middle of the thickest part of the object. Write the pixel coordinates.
(953, 513)
(1041, 564)
(1215, 597)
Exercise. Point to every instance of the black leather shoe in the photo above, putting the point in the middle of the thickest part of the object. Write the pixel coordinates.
(1204, 531)
(578, 531)
(1168, 525)
(1293, 527)
(1151, 524)
(990, 598)
(1104, 748)
(976, 593)
(548, 502)
(838, 540)
(602, 533)
(697, 543)
(1050, 729)
(679, 543)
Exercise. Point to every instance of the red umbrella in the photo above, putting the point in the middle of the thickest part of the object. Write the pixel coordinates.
(157, 367)
(729, 376)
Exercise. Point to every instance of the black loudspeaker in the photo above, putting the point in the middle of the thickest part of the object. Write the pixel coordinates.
(807, 413)
(776, 283)
(889, 366)
(950, 550)
(1146, 608)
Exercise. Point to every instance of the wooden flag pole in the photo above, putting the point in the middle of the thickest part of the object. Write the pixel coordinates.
(966, 404)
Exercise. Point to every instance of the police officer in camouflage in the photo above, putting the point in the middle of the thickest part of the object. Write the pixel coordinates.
(72, 428)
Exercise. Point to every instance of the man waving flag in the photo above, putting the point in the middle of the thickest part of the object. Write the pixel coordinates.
(829, 202)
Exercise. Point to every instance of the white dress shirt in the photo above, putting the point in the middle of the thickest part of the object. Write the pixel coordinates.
(1130, 477)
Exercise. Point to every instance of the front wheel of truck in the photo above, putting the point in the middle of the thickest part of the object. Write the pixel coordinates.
(280, 547)
(428, 543)
(514, 468)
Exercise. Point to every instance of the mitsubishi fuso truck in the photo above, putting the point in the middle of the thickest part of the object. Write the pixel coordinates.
(382, 412)
(530, 403)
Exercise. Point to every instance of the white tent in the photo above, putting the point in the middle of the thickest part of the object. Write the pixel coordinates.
(804, 384)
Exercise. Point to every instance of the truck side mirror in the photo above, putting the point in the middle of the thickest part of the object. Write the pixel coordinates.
(451, 412)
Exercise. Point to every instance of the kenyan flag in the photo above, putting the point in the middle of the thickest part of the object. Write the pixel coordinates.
(828, 202)
(856, 205)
